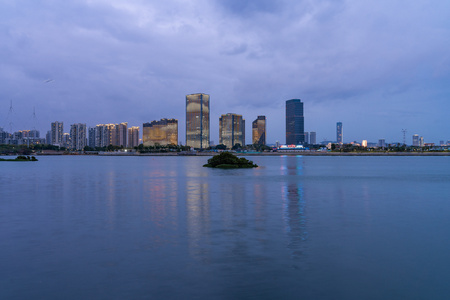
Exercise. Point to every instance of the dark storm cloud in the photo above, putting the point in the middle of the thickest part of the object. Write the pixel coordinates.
(115, 61)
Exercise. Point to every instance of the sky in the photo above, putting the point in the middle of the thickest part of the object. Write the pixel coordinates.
(376, 66)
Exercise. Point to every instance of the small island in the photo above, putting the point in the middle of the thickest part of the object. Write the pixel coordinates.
(227, 160)
(20, 158)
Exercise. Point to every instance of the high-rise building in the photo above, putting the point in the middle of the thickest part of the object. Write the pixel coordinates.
(381, 143)
(104, 135)
(231, 130)
(295, 122)
(307, 138)
(66, 140)
(421, 142)
(197, 121)
(57, 130)
(77, 136)
(111, 134)
(312, 137)
(48, 137)
(91, 138)
(163, 132)
(120, 134)
(133, 136)
(339, 133)
(415, 140)
(259, 130)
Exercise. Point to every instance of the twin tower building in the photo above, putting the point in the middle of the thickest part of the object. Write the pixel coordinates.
(231, 127)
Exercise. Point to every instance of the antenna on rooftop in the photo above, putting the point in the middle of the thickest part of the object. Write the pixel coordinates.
(404, 136)
(10, 115)
(34, 118)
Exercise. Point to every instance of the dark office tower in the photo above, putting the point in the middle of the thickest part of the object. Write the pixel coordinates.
(295, 122)
(339, 133)
(197, 121)
(259, 131)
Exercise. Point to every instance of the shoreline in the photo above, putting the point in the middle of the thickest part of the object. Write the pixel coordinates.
(177, 154)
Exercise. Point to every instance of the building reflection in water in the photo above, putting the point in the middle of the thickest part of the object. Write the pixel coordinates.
(160, 200)
(294, 204)
(198, 217)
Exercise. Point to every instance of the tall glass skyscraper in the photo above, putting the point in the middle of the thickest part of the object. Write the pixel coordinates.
(197, 121)
(259, 131)
(339, 133)
(231, 130)
(295, 122)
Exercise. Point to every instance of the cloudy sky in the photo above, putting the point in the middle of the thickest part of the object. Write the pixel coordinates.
(377, 66)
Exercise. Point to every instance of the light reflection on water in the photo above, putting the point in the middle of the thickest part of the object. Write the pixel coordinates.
(296, 227)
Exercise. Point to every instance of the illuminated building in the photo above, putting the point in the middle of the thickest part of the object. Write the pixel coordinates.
(231, 130)
(295, 122)
(66, 140)
(77, 136)
(197, 121)
(57, 129)
(364, 143)
(104, 135)
(163, 132)
(120, 134)
(259, 130)
(133, 136)
(339, 134)
(110, 134)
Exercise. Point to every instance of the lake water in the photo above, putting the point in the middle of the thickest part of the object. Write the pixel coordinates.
(87, 227)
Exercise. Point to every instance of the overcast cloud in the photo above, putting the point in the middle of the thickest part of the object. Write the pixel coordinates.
(376, 66)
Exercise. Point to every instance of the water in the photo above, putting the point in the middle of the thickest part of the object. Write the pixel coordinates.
(86, 227)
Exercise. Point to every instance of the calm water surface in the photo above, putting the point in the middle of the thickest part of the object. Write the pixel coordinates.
(76, 227)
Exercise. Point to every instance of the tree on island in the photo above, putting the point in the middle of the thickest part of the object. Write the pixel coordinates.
(227, 160)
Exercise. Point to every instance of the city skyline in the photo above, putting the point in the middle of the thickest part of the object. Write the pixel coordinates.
(96, 62)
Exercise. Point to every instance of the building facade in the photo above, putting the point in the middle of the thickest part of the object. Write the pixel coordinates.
(91, 137)
(57, 130)
(77, 136)
(259, 130)
(133, 136)
(197, 121)
(66, 140)
(163, 132)
(120, 134)
(295, 122)
(415, 140)
(339, 133)
(231, 130)
(312, 138)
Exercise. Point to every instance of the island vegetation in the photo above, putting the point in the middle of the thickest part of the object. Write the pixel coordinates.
(20, 158)
(227, 160)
